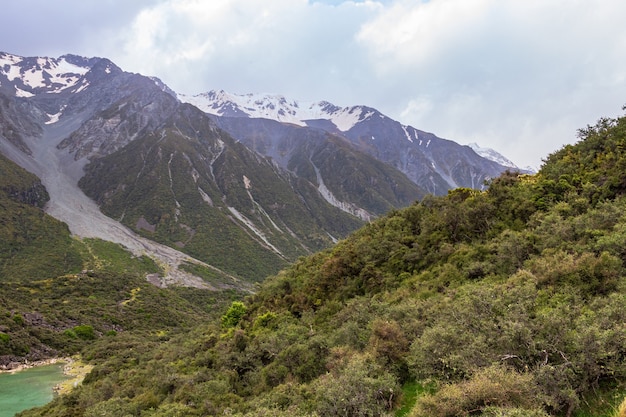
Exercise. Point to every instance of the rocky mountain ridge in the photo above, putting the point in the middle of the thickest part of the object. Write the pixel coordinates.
(276, 107)
(435, 165)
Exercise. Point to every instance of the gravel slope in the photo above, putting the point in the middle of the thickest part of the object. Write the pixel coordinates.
(59, 173)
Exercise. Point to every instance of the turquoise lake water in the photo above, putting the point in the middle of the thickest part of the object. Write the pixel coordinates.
(28, 388)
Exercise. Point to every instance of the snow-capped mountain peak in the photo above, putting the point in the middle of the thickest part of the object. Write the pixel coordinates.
(492, 155)
(276, 107)
(29, 76)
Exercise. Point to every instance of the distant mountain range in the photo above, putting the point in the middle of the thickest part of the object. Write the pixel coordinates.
(240, 184)
(434, 164)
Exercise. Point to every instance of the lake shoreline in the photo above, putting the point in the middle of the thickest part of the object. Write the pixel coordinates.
(13, 367)
(74, 369)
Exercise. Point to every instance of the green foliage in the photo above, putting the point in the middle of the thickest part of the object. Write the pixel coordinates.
(265, 321)
(348, 175)
(356, 388)
(64, 313)
(492, 389)
(70, 333)
(593, 167)
(32, 245)
(21, 186)
(235, 313)
(411, 391)
(85, 332)
(103, 255)
(593, 274)
(112, 407)
(18, 319)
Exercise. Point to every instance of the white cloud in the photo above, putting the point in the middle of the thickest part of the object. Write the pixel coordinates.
(519, 76)
(288, 46)
(410, 33)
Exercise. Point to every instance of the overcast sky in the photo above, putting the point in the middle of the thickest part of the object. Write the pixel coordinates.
(519, 76)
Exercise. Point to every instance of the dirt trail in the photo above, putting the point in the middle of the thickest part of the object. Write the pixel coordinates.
(59, 173)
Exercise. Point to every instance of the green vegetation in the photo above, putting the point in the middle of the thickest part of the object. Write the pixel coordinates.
(235, 313)
(62, 315)
(508, 302)
(411, 391)
(32, 245)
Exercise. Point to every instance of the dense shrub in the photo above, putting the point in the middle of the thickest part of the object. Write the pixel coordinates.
(489, 387)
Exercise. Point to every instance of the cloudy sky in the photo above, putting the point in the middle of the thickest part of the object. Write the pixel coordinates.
(520, 76)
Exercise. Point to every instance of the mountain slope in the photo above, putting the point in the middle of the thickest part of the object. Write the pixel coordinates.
(32, 245)
(160, 167)
(349, 179)
(59, 173)
(198, 190)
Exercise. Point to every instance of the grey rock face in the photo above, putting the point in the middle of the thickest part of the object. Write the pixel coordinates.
(433, 164)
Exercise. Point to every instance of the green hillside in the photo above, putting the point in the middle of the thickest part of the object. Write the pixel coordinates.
(32, 245)
(508, 302)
